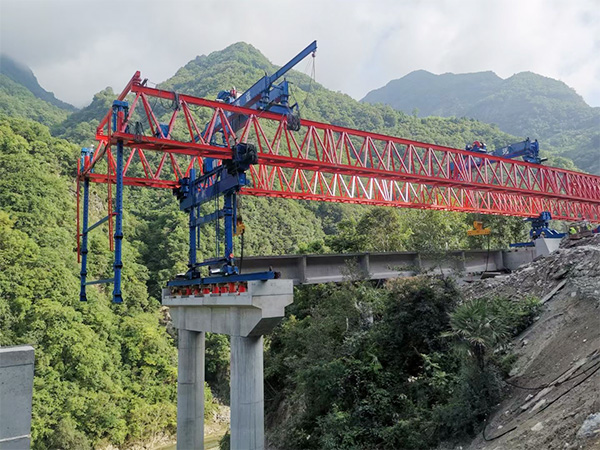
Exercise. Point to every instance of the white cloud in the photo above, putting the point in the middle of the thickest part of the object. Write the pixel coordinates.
(77, 48)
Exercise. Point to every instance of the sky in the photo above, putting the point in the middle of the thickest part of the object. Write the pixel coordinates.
(77, 48)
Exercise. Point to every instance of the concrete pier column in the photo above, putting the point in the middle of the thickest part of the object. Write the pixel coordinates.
(247, 393)
(190, 391)
(16, 390)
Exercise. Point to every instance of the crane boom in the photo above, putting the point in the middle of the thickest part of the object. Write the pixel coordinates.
(261, 89)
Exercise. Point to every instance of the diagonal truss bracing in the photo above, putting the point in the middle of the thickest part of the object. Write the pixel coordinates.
(327, 162)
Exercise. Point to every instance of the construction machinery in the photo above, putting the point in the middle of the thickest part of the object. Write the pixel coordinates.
(527, 150)
(540, 227)
(216, 178)
(256, 144)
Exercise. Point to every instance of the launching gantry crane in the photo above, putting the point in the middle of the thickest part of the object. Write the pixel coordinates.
(256, 144)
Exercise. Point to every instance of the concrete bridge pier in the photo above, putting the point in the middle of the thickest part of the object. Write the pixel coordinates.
(247, 393)
(190, 390)
(246, 317)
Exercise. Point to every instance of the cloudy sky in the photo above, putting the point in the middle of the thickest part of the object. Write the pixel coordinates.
(77, 48)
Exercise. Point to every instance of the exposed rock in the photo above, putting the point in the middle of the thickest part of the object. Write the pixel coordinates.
(538, 427)
(590, 426)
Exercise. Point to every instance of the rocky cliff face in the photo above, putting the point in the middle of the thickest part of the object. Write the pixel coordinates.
(555, 382)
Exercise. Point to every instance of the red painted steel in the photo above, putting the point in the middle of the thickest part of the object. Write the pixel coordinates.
(332, 163)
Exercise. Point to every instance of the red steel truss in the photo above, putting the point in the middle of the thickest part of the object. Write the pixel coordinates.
(330, 163)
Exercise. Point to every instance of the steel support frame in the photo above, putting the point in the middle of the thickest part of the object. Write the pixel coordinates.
(118, 236)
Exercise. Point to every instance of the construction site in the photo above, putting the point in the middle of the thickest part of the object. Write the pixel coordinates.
(339, 344)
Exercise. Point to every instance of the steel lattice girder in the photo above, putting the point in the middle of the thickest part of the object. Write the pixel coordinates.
(331, 163)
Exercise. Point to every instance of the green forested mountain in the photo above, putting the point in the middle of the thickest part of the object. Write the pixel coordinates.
(18, 101)
(21, 74)
(524, 105)
(105, 374)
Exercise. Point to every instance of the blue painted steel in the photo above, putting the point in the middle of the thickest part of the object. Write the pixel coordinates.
(205, 192)
(261, 89)
(118, 105)
(529, 151)
(97, 224)
(257, 276)
(86, 153)
(193, 224)
(209, 217)
(229, 268)
(226, 179)
(162, 131)
(211, 262)
(264, 95)
(118, 235)
(522, 244)
(540, 227)
(84, 239)
(105, 281)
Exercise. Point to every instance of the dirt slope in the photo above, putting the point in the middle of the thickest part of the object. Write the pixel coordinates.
(558, 366)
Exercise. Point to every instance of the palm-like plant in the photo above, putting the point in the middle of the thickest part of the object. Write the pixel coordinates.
(478, 327)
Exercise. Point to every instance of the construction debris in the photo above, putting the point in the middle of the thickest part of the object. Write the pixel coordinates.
(590, 427)
(576, 262)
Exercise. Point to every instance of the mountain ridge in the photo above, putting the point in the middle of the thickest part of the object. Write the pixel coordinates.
(23, 75)
(525, 104)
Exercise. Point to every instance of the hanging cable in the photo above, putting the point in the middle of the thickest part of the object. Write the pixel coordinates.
(487, 258)
(241, 230)
(313, 77)
(589, 372)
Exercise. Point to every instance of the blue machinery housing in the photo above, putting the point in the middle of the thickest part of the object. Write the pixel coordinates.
(540, 227)
(528, 150)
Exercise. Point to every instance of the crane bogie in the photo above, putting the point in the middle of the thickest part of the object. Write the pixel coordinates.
(527, 150)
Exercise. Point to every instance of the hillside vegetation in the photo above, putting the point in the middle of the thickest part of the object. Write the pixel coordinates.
(18, 101)
(23, 75)
(105, 374)
(400, 367)
(524, 105)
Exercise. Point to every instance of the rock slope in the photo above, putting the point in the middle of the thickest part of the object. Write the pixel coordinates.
(554, 400)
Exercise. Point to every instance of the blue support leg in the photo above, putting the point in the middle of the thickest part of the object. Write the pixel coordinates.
(192, 225)
(228, 217)
(118, 265)
(84, 239)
